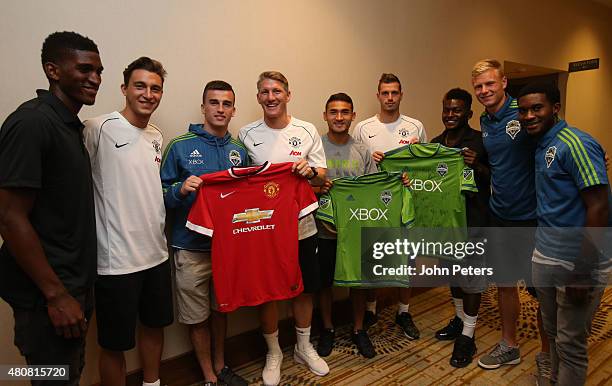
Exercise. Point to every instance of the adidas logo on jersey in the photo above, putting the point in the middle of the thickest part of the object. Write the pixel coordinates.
(195, 154)
(363, 214)
(426, 185)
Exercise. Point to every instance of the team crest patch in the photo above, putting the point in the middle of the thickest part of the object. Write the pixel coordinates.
(156, 146)
(442, 169)
(550, 155)
(234, 157)
(295, 142)
(386, 196)
(324, 202)
(468, 174)
(271, 189)
(403, 132)
(513, 128)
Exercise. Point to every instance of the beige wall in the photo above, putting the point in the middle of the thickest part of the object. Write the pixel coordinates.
(322, 47)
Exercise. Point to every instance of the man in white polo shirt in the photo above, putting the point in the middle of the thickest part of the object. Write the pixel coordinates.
(134, 281)
(386, 131)
(279, 137)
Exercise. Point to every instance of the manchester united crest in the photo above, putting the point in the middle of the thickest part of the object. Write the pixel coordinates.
(271, 189)
(156, 146)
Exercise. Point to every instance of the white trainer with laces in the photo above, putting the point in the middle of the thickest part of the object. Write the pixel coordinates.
(309, 357)
(271, 372)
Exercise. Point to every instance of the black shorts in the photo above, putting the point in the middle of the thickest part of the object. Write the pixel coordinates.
(509, 252)
(309, 264)
(122, 299)
(326, 255)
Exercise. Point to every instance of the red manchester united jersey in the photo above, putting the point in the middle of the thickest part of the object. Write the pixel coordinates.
(252, 215)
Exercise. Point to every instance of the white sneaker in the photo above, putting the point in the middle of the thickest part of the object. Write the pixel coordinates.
(309, 357)
(271, 372)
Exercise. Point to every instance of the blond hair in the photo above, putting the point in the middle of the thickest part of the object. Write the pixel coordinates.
(485, 65)
(273, 75)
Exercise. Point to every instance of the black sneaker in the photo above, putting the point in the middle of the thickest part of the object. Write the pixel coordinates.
(369, 319)
(227, 377)
(463, 351)
(363, 343)
(209, 383)
(451, 331)
(405, 321)
(326, 342)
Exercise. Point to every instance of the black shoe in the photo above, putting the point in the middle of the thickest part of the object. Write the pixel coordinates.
(405, 321)
(463, 351)
(326, 342)
(227, 377)
(363, 343)
(451, 331)
(210, 384)
(369, 319)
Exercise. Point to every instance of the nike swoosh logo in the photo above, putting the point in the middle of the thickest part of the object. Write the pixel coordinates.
(223, 195)
(257, 144)
(122, 145)
(372, 136)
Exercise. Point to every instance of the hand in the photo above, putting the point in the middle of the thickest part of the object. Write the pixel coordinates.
(66, 316)
(470, 157)
(405, 180)
(413, 140)
(191, 184)
(577, 295)
(326, 186)
(378, 156)
(302, 168)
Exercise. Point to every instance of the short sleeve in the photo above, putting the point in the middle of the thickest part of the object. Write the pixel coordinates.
(316, 155)
(200, 218)
(326, 209)
(23, 146)
(408, 212)
(306, 199)
(369, 164)
(468, 183)
(422, 133)
(584, 160)
(91, 136)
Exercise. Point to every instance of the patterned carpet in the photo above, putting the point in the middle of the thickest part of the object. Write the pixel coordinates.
(426, 361)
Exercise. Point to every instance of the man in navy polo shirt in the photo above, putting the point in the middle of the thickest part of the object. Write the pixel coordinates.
(572, 194)
(512, 203)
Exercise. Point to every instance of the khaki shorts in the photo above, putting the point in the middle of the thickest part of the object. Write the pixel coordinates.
(194, 292)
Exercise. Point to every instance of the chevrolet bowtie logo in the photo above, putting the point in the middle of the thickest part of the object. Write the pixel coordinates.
(251, 216)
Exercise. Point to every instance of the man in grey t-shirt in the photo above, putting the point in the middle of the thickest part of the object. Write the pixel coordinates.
(345, 158)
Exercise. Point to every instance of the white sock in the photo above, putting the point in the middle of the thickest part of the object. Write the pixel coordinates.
(371, 306)
(401, 307)
(303, 337)
(469, 325)
(459, 307)
(272, 342)
(156, 383)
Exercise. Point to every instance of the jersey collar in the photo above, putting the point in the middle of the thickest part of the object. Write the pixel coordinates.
(551, 133)
(498, 116)
(246, 171)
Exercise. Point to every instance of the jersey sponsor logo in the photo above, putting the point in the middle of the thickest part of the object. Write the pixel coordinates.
(122, 145)
(271, 189)
(252, 216)
(404, 142)
(156, 146)
(468, 174)
(426, 185)
(386, 196)
(293, 152)
(295, 142)
(550, 155)
(223, 195)
(324, 202)
(234, 157)
(513, 128)
(442, 169)
(364, 214)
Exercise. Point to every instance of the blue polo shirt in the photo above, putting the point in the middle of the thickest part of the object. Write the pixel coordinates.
(567, 161)
(510, 152)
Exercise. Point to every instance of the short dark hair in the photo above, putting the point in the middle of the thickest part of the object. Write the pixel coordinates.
(389, 78)
(217, 85)
(549, 89)
(343, 97)
(57, 44)
(460, 94)
(144, 63)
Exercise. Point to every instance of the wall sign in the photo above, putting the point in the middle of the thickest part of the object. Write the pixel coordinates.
(582, 65)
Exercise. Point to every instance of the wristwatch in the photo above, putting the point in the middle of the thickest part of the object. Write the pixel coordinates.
(314, 173)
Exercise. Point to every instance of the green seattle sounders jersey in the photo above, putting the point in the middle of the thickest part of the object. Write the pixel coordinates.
(438, 178)
(377, 200)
